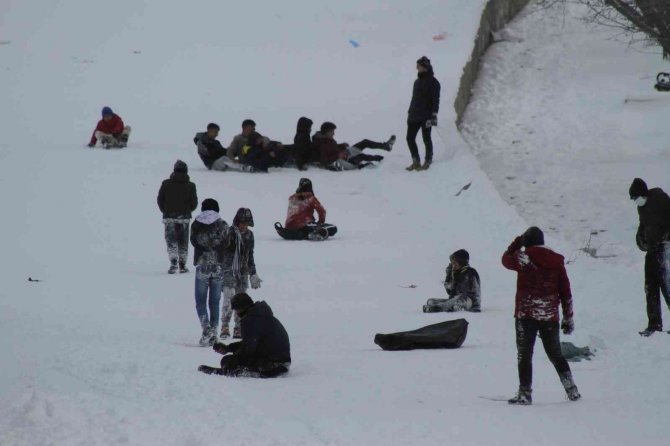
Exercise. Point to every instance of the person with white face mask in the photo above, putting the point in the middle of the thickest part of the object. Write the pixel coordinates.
(653, 237)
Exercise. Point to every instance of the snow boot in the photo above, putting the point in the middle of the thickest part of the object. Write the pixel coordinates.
(524, 397)
(182, 268)
(213, 337)
(173, 269)
(207, 370)
(430, 309)
(225, 332)
(237, 333)
(570, 388)
(416, 165)
(206, 337)
(573, 393)
(426, 165)
(388, 145)
(650, 331)
(318, 235)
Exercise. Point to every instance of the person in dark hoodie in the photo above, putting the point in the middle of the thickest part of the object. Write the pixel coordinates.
(462, 285)
(542, 285)
(209, 148)
(265, 349)
(303, 148)
(300, 223)
(239, 266)
(422, 113)
(177, 199)
(207, 237)
(653, 237)
(338, 157)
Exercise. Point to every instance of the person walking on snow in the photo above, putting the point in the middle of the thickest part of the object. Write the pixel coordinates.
(300, 223)
(263, 352)
(110, 131)
(462, 285)
(653, 237)
(239, 267)
(422, 113)
(207, 237)
(177, 199)
(542, 284)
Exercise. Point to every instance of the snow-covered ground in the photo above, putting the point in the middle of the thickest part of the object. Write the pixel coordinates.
(100, 352)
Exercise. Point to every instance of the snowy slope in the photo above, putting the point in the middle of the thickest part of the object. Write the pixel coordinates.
(100, 352)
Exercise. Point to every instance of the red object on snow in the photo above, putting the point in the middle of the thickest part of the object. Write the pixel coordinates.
(114, 127)
(441, 36)
(301, 207)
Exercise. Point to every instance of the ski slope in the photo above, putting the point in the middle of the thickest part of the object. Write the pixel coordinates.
(100, 352)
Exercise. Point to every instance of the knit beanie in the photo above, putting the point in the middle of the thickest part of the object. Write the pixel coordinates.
(533, 237)
(106, 111)
(209, 204)
(305, 185)
(424, 62)
(638, 188)
(241, 302)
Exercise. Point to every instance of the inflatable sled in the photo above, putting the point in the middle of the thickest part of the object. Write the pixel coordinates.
(450, 334)
(663, 82)
(309, 232)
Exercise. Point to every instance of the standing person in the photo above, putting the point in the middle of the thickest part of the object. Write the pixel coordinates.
(422, 113)
(653, 237)
(263, 352)
(239, 266)
(542, 284)
(300, 222)
(207, 237)
(110, 131)
(177, 199)
(462, 285)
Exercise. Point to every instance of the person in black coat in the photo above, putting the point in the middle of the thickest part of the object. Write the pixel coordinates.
(462, 285)
(263, 352)
(653, 237)
(303, 148)
(209, 148)
(422, 113)
(177, 199)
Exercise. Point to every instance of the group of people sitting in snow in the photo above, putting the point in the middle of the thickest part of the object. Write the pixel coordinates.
(252, 152)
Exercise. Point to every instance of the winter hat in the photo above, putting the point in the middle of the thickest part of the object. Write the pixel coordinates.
(305, 185)
(180, 166)
(244, 216)
(327, 126)
(106, 111)
(461, 256)
(424, 62)
(638, 189)
(241, 302)
(209, 204)
(533, 237)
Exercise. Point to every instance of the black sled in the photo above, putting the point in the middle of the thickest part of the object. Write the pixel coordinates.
(449, 334)
(309, 232)
(663, 82)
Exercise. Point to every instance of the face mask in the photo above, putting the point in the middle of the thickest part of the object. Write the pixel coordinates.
(640, 201)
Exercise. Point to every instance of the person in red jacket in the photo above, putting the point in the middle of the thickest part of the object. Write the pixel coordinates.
(542, 285)
(300, 223)
(110, 131)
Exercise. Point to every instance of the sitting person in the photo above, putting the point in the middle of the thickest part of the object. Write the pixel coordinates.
(334, 156)
(304, 151)
(263, 352)
(300, 223)
(110, 131)
(210, 149)
(462, 286)
(260, 153)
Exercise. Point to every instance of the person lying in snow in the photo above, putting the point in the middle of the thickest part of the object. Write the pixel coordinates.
(300, 223)
(462, 285)
(210, 149)
(263, 352)
(110, 131)
(338, 157)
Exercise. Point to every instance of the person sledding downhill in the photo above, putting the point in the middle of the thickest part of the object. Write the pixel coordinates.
(300, 223)
(207, 237)
(239, 267)
(462, 285)
(110, 131)
(542, 284)
(422, 114)
(653, 238)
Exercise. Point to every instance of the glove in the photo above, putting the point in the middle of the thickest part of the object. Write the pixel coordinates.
(255, 281)
(568, 326)
(220, 347)
(432, 122)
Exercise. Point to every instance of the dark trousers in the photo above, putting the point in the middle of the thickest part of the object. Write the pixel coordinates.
(368, 144)
(255, 367)
(176, 238)
(657, 281)
(526, 333)
(412, 131)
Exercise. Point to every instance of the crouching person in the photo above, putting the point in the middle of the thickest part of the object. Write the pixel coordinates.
(462, 285)
(110, 131)
(263, 352)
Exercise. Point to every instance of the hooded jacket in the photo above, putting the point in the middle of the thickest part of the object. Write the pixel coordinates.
(263, 336)
(112, 127)
(177, 196)
(425, 98)
(209, 149)
(542, 282)
(464, 284)
(207, 237)
(654, 220)
(329, 150)
(302, 143)
(301, 207)
(246, 251)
